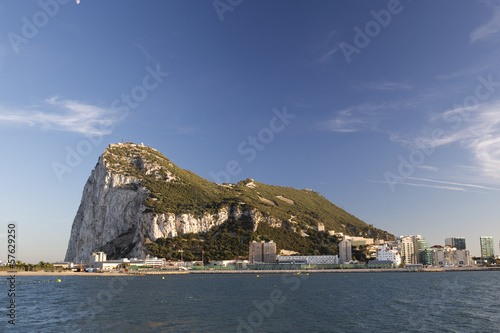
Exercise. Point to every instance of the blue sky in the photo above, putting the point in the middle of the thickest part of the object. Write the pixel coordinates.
(389, 109)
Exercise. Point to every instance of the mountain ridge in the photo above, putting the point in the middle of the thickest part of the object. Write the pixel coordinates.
(135, 196)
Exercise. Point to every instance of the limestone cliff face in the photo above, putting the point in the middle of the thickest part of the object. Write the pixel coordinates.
(112, 216)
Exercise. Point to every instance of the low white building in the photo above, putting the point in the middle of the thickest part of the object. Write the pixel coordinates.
(310, 260)
(450, 257)
(226, 263)
(106, 265)
(98, 260)
(386, 253)
(155, 262)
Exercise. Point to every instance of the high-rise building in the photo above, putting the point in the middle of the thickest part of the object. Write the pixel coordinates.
(255, 253)
(262, 252)
(407, 249)
(424, 252)
(269, 252)
(415, 255)
(487, 249)
(345, 250)
(456, 242)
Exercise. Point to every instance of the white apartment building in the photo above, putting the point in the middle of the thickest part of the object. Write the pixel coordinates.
(386, 253)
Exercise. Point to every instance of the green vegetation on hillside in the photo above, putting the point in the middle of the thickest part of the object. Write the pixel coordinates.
(231, 240)
(228, 241)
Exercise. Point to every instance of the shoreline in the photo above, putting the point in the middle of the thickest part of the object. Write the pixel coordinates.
(359, 270)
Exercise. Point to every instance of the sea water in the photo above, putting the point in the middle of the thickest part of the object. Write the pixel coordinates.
(320, 302)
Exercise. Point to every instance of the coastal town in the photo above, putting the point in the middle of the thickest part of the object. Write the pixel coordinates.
(410, 253)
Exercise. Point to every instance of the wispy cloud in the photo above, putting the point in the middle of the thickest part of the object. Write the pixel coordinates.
(327, 56)
(145, 52)
(447, 185)
(429, 168)
(441, 187)
(463, 72)
(454, 183)
(326, 48)
(62, 115)
(489, 30)
(382, 85)
(298, 102)
(331, 34)
(344, 125)
(474, 129)
(358, 118)
(185, 130)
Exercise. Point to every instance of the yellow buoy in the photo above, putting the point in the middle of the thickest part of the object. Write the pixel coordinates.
(257, 276)
(58, 280)
(163, 278)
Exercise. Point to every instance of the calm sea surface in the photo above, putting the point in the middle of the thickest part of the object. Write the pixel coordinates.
(338, 302)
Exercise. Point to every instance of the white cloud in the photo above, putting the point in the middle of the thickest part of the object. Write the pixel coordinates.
(488, 30)
(63, 115)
